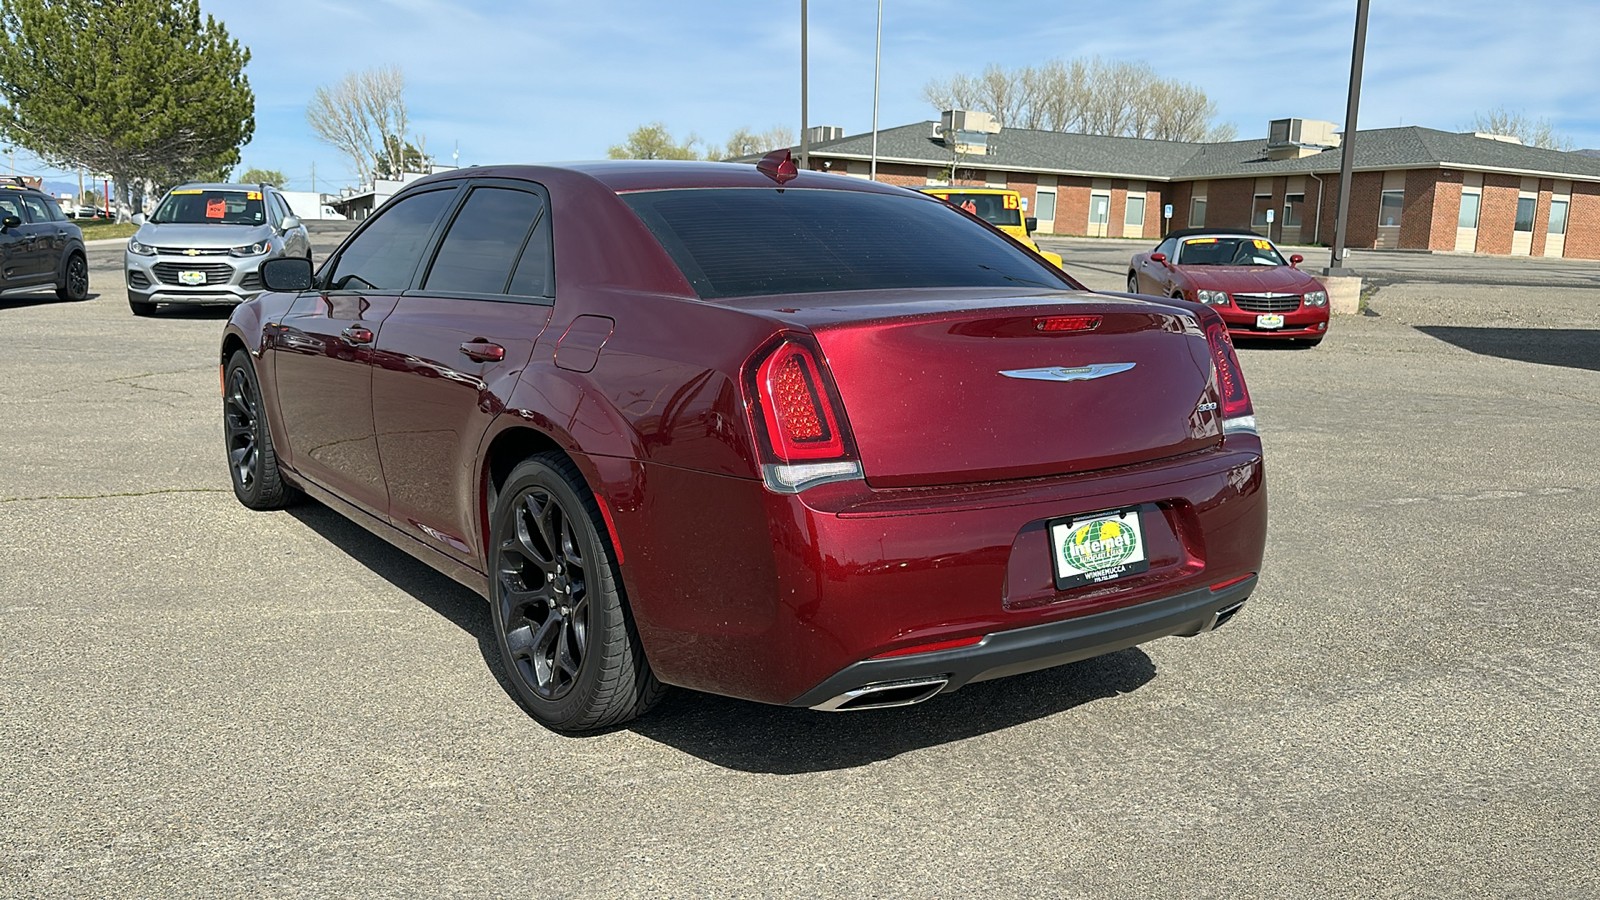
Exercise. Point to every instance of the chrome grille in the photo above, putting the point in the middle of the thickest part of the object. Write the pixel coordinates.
(1267, 303)
(191, 251)
(216, 273)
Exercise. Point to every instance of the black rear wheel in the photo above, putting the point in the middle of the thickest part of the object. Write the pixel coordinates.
(252, 463)
(571, 652)
(75, 279)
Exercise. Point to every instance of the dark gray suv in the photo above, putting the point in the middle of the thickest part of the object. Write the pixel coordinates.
(205, 244)
(38, 246)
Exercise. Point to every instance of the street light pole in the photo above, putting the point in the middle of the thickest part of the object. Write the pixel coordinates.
(877, 67)
(1347, 155)
(805, 149)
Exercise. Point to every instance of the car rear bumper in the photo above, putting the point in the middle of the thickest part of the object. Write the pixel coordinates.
(779, 598)
(876, 683)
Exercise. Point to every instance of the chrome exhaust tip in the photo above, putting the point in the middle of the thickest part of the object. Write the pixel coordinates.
(885, 694)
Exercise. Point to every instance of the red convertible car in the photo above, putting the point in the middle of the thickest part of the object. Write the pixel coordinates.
(790, 437)
(1241, 275)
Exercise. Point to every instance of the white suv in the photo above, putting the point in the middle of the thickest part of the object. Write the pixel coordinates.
(205, 244)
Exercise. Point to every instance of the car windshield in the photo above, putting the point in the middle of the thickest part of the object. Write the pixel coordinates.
(737, 242)
(193, 206)
(1002, 210)
(1229, 251)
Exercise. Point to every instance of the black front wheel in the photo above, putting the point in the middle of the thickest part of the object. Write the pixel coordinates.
(75, 280)
(1133, 283)
(252, 463)
(571, 652)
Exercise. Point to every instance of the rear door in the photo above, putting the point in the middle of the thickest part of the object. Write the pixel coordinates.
(324, 349)
(450, 353)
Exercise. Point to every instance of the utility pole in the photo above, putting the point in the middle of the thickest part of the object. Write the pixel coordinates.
(877, 67)
(313, 176)
(805, 148)
(1348, 151)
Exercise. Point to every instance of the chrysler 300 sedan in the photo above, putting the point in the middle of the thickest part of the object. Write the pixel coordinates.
(789, 437)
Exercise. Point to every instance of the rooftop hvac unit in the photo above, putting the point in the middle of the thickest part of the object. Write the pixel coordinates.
(817, 134)
(956, 120)
(1301, 132)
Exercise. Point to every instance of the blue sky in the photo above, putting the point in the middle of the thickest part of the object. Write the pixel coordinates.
(542, 80)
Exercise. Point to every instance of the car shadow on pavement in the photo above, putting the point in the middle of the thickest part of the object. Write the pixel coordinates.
(1573, 348)
(48, 298)
(186, 311)
(756, 737)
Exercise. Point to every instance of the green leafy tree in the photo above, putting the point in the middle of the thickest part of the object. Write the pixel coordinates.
(140, 89)
(653, 141)
(398, 157)
(270, 176)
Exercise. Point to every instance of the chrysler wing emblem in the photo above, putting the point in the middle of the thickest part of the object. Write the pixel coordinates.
(1066, 373)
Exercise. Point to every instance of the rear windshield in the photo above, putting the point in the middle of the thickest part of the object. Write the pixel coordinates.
(200, 207)
(741, 242)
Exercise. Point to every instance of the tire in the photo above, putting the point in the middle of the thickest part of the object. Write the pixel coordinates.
(570, 649)
(75, 279)
(141, 308)
(252, 463)
(1133, 284)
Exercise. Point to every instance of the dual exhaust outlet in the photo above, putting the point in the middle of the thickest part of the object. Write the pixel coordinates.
(886, 694)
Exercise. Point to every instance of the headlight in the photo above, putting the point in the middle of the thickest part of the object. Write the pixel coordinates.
(1316, 298)
(138, 249)
(256, 249)
(1212, 298)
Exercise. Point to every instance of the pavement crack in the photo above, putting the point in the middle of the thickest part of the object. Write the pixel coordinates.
(116, 495)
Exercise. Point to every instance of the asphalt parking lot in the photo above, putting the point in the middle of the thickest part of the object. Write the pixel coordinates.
(200, 700)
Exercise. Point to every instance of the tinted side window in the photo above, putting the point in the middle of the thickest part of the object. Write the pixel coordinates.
(732, 242)
(385, 254)
(36, 208)
(484, 242)
(9, 206)
(534, 277)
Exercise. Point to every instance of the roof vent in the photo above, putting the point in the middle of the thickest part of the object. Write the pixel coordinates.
(1503, 138)
(1296, 138)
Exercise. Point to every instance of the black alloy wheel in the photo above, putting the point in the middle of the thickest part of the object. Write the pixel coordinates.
(252, 463)
(75, 284)
(569, 647)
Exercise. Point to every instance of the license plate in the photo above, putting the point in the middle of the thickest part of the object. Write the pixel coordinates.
(1098, 547)
(191, 278)
(1269, 320)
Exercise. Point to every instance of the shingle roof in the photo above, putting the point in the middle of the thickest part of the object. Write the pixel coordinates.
(1410, 147)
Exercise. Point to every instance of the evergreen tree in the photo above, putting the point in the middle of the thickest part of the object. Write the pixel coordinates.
(139, 89)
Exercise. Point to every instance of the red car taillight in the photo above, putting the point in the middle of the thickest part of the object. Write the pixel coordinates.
(1237, 413)
(797, 418)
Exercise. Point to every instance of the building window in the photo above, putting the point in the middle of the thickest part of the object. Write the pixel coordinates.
(1135, 214)
(1258, 217)
(1558, 217)
(1292, 204)
(1197, 212)
(1389, 208)
(1524, 214)
(1047, 206)
(1469, 211)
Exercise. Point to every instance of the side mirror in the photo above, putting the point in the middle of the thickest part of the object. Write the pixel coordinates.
(1296, 260)
(138, 218)
(289, 273)
(1158, 258)
(10, 222)
(290, 223)
(1030, 224)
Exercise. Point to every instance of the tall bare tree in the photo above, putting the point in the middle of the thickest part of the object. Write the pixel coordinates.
(1087, 96)
(1531, 131)
(364, 116)
(744, 142)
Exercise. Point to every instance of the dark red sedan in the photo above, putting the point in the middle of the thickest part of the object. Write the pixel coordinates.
(796, 438)
(1241, 275)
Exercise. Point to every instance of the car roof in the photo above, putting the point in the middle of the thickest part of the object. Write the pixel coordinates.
(1213, 232)
(628, 175)
(218, 186)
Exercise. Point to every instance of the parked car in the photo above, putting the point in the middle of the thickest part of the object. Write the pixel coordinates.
(789, 437)
(1000, 207)
(38, 246)
(205, 244)
(86, 212)
(1240, 274)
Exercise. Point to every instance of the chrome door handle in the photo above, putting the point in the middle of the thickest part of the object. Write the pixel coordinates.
(483, 351)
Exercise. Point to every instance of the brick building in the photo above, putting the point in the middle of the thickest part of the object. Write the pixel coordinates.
(1412, 187)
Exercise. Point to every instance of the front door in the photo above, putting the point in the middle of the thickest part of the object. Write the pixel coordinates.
(1099, 214)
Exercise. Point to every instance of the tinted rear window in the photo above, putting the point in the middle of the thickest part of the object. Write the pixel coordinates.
(737, 242)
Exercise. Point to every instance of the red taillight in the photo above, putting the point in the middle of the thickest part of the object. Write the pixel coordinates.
(1231, 390)
(796, 407)
(1057, 324)
(933, 647)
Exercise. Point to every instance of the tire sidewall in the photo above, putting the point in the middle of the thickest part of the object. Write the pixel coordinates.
(605, 621)
(240, 361)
